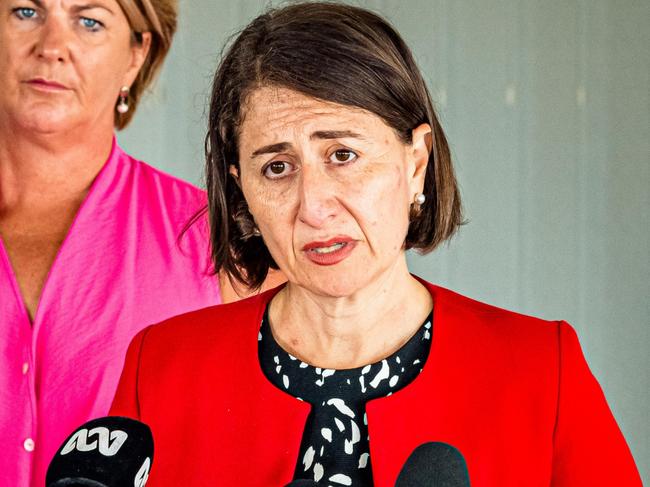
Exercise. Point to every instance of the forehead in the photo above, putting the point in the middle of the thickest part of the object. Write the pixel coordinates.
(276, 109)
(112, 6)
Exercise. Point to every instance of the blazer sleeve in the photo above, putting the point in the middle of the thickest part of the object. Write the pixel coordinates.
(589, 448)
(125, 402)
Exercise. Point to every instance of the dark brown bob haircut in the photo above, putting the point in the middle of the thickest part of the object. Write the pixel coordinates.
(336, 53)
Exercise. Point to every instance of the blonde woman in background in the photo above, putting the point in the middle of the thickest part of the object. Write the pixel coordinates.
(92, 244)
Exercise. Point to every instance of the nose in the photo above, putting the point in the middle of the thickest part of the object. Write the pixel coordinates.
(52, 43)
(318, 197)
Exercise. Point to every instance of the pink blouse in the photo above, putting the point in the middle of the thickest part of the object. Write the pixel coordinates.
(123, 265)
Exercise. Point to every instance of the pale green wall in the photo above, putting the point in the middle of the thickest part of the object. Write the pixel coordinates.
(546, 105)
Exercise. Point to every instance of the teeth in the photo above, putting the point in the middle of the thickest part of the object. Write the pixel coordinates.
(327, 250)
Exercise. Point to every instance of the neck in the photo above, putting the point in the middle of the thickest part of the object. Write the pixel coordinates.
(355, 330)
(38, 170)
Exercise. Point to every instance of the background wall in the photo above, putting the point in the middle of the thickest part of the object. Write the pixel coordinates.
(547, 109)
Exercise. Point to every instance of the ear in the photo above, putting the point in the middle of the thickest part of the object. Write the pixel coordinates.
(420, 150)
(139, 52)
(234, 172)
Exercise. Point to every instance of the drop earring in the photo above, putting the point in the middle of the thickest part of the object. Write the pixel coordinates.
(416, 206)
(123, 105)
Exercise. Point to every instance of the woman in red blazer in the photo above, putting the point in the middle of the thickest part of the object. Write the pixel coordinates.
(326, 160)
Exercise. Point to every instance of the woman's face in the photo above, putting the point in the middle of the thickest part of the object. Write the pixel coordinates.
(330, 188)
(63, 62)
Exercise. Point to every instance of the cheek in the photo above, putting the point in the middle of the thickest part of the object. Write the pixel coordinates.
(277, 227)
(383, 208)
(263, 199)
(272, 209)
(103, 70)
(399, 210)
(385, 191)
(101, 66)
(11, 58)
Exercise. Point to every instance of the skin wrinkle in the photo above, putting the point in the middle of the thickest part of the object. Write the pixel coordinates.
(367, 199)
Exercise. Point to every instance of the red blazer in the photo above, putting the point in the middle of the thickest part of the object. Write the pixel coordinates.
(513, 393)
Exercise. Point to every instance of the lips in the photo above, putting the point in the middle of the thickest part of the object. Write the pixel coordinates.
(46, 84)
(329, 252)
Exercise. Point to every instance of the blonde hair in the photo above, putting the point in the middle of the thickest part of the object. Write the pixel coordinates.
(159, 18)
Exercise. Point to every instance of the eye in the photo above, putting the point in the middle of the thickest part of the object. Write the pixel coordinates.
(277, 169)
(24, 13)
(90, 24)
(342, 156)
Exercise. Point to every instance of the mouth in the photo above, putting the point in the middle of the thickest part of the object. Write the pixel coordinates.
(329, 249)
(45, 84)
(329, 252)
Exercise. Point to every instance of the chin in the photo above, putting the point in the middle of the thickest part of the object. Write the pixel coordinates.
(337, 286)
(46, 119)
(345, 279)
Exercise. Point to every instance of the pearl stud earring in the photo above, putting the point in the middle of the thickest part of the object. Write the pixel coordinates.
(419, 199)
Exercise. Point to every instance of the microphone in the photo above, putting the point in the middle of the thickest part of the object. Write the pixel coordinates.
(106, 452)
(434, 464)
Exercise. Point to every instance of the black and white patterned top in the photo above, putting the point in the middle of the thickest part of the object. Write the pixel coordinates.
(335, 446)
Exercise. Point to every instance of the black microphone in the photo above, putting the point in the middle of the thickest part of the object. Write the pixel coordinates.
(434, 465)
(105, 452)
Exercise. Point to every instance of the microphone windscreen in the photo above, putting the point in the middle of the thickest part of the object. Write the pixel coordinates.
(434, 464)
(76, 483)
(105, 452)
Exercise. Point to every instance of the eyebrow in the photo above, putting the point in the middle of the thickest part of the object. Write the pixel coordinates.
(319, 134)
(335, 134)
(90, 6)
(271, 149)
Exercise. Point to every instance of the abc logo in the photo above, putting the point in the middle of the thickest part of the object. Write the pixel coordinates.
(107, 442)
(143, 474)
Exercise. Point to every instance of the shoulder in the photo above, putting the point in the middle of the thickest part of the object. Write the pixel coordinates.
(166, 201)
(457, 302)
(208, 329)
(158, 181)
(500, 349)
(491, 324)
